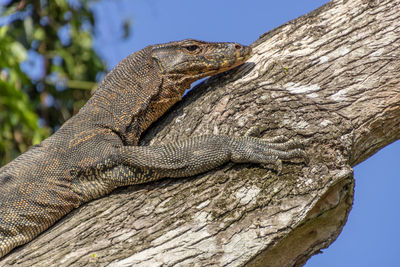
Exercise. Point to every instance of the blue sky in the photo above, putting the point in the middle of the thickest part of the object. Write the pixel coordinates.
(370, 237)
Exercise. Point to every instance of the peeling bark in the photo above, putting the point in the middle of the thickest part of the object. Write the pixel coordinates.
(330, 78)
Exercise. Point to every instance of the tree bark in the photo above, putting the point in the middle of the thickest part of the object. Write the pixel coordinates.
(330, 78)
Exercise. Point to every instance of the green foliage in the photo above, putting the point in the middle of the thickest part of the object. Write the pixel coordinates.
(19, 127)
(53, 41)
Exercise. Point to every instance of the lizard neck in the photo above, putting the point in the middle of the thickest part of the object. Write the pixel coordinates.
(132, 96)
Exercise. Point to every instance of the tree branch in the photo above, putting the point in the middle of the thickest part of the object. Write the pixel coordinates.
(330, 78)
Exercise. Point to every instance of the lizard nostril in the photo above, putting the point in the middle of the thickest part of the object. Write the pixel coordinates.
(238, 46)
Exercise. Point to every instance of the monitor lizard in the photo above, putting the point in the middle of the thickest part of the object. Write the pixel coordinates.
(96, 150)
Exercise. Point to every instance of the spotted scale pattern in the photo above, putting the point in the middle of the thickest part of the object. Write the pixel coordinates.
(95, 151)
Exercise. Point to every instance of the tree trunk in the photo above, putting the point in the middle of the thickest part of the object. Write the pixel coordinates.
(330, 78)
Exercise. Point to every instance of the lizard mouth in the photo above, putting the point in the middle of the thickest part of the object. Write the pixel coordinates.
(239, 61)
(245, 54)
(205, 67)
(240, 58)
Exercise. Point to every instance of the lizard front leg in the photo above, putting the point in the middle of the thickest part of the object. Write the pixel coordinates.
(140, 164)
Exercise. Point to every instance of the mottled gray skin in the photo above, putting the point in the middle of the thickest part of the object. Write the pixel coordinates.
(95, 151)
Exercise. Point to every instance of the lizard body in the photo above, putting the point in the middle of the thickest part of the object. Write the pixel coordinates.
(96, 150)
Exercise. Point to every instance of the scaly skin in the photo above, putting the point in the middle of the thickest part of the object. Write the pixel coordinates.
(95, 151)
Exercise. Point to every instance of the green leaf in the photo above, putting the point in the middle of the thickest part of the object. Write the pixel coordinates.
(18, 51)
(3, 31)
(39, 34)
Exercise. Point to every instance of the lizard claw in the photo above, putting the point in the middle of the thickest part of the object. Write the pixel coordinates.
(277, 166)
(254, 131)
(269, 151)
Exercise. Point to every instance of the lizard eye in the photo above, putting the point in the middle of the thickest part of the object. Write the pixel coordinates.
(192, 48)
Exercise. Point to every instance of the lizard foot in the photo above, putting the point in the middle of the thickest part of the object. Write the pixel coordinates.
(268, 152)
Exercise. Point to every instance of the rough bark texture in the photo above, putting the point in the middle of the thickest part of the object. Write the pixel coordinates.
(331, 78)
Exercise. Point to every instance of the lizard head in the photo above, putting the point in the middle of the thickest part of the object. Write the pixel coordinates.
(189, 60)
